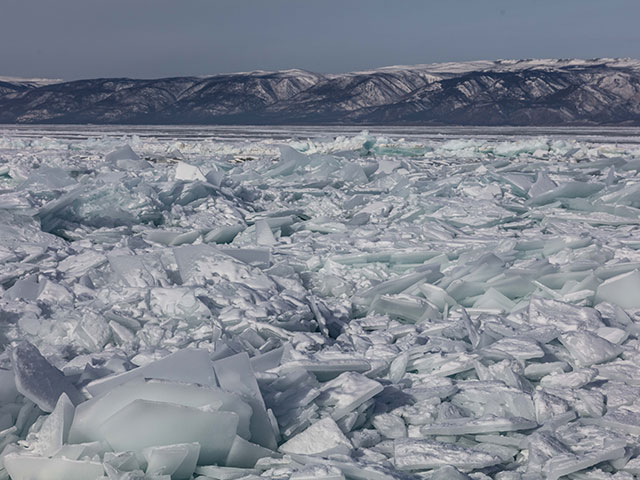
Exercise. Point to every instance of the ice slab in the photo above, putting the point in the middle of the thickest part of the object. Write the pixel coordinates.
(571, 189)
(178, 461)
(54, 432)
(621, 419)
(324, 365)
(404, 307)
(40, 381)
(91, 413)
(121, 464)
(561, 315)
(620, 290)
(346, 392)
(290, 161)
(244, 454)
(189, 173)
(235, 374)
(264, 236)
(443, 364)
(224, 234)
(542, 185)
(125, 158)
(143, 424)
(136, 271)
(189, 365)
(260, 257)
(319, 472)
(493, 398)
(575, 379)
(588, 348)
(487, 424)
(8, 390)
(321, 438)
(390, 426)
(562, 465)
(392, 286)
(224, 473)
(178, 302)
(26, 467)
(518, 348)
(427, 454)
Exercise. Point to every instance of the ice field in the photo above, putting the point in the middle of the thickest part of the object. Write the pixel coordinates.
(319, 303)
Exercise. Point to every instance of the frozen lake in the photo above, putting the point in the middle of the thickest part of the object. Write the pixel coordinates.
(194, 133)
(319, 302)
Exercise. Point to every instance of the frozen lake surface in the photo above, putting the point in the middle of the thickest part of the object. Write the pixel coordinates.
(319, 303)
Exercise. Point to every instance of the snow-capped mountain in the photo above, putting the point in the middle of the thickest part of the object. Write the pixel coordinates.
(504, 92)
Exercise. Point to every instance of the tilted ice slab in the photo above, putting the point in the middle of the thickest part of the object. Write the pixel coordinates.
(362, 307)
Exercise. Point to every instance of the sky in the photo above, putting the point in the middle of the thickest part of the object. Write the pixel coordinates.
(74, 39)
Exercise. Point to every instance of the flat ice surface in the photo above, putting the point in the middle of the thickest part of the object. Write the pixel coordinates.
(223, 302)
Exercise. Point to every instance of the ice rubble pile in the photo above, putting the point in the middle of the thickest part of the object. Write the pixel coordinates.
(360, 308)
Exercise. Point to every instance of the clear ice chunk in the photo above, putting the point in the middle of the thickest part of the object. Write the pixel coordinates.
(27, 467)
(290, 161)
(40, 381)
(143, 424)
(259, 257)
(244, 454)
(235, 374)
(224, 234)
(571, 189)
(542, 185)
(90, 414)
(178, 461)
(188, 365)
(621, 290)
(126, 159)
(395, 285)
(264, 235)
(54, 432)
(8, 390)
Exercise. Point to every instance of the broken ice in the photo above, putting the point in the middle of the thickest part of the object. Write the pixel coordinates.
(367, 306)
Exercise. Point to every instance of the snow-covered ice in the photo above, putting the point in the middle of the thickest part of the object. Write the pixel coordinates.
(259, 303)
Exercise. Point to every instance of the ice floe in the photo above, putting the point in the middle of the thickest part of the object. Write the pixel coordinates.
(356, 307)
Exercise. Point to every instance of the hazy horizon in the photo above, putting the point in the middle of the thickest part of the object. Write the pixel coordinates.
(303, 69)
(76, 39)
(379, 67)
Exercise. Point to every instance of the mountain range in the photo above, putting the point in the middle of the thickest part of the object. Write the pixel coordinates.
(504, 92)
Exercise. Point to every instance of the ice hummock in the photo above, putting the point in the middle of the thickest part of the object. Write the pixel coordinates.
(364, 306)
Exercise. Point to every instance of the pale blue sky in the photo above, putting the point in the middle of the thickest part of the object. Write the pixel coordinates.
(157, 38)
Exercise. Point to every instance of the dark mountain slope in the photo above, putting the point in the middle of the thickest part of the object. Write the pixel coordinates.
(524, 92)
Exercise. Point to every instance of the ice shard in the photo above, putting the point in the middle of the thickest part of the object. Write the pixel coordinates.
(40, 381)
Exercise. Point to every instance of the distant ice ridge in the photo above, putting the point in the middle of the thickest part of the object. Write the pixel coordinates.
(354, 307)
